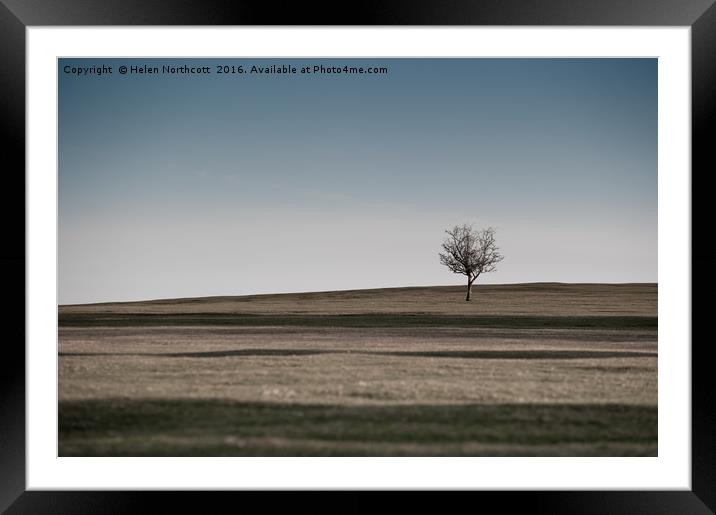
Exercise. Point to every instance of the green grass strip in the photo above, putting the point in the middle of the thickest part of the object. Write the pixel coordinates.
(359, 320)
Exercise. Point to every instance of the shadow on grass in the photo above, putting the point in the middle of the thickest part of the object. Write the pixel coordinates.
(183, 427)
(469, 354)
(366, 320)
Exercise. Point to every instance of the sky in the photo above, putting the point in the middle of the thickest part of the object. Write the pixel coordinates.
(180, 185)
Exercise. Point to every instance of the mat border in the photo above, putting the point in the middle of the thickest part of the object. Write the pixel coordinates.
(17, 15)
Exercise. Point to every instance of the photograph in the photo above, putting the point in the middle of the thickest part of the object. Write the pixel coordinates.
(357, 256)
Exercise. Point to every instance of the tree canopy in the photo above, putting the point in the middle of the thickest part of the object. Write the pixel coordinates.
(470, 252)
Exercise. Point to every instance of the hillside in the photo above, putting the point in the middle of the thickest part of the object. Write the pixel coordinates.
(532, 299)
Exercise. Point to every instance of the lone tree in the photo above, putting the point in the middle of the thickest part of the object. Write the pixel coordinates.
(469, 252)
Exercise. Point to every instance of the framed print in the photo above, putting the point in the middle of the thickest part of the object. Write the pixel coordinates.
(240, 225)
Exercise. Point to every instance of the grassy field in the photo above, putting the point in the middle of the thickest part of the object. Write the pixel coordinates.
(522, 370)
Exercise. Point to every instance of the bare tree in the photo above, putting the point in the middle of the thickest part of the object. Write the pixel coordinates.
(470, 253)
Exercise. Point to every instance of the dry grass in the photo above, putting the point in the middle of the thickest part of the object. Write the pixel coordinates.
(545, 299)
(357, 366)
(606, 378)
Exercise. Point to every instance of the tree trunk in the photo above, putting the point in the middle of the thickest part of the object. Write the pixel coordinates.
(469, 289)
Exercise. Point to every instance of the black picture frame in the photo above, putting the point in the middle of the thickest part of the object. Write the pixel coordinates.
(17, 15)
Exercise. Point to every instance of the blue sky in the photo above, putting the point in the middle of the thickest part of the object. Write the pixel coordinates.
(175, 186)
